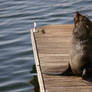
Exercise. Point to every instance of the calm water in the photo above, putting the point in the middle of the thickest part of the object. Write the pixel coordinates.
(16, 20)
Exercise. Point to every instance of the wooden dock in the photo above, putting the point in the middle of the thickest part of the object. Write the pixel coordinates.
(51, 47)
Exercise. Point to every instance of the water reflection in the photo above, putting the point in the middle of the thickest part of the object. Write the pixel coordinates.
(34, 80)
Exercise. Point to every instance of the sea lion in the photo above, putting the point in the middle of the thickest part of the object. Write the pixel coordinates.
(81, 60)
(81, 56)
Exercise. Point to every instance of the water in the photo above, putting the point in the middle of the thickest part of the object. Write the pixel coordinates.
(16, 20)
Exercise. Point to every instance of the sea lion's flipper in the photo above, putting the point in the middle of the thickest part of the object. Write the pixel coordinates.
(87, 73)
(67, 72)
(84, 73)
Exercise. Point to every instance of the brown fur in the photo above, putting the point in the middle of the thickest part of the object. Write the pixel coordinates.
(81, 59)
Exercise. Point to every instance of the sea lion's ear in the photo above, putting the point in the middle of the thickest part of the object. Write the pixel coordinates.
(76, 17)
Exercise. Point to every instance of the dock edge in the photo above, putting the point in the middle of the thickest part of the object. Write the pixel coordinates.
(38, 67)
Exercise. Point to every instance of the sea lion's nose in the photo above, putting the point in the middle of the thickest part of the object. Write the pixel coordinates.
(76, 17)
(76, 14)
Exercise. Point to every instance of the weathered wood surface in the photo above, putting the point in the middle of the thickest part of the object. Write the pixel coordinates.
(53, 47)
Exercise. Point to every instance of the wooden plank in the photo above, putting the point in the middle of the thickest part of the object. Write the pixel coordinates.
(53, 51)
(38, 68)
(53, 44)
(66, 81)
(70, 89)
(54, 39)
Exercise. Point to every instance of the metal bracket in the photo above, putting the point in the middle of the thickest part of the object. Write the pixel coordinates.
(34, 29)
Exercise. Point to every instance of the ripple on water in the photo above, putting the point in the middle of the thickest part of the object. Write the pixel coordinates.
(16, 19)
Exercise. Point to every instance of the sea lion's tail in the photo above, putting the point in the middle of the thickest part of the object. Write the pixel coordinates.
(67, 72)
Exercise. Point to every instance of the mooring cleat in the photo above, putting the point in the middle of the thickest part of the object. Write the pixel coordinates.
(34, 29)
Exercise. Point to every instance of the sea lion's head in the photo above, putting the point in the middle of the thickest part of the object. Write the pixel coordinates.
(80, 19)
(82, 26)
